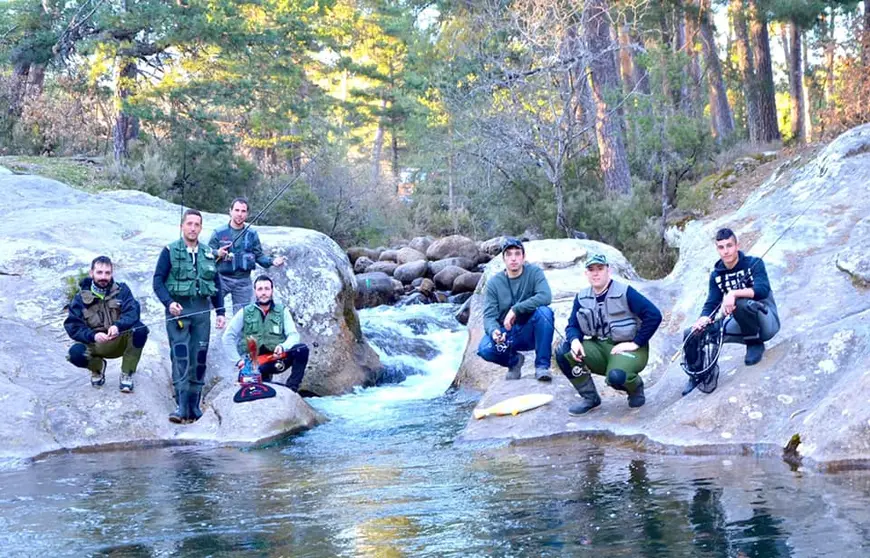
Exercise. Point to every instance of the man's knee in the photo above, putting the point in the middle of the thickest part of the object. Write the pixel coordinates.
(79, 355)
(300, 350)
(140, 336)
(616, 378)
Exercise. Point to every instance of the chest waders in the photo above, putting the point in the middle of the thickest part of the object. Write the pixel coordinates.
(191, 284)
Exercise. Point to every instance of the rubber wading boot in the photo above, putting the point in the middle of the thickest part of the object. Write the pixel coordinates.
(193, 411)
(585, 386)
(754, 353)
(637, 399)
(179, 415)
(514, 372)
(690, 386)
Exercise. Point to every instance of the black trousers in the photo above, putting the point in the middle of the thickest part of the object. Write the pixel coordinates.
(296, 360)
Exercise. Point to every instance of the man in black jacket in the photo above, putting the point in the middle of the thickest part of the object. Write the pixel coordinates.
(739, 287)
(104, 320)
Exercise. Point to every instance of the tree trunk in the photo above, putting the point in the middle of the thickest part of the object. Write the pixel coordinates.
(747, 70)
(764, 73)
(378, 146)
(808, 120)
(561, 218)
(865, 38)
(394, 160)
(720, 110)
(796, 86)
(121, 129)
(625, 59)
(641, 76)
(20, 75)
(830, 50)
(613, 159)
(692, 86)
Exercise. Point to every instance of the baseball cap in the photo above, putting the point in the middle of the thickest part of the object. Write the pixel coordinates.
(592, 259)
(512, 242)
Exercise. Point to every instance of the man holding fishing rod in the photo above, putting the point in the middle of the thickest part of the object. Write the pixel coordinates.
(740, 288)
(238, 250)
(186, 281)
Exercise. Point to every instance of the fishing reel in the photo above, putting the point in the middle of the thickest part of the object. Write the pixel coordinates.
(503, 346)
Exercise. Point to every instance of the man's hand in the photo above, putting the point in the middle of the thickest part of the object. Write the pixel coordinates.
(509, 319)
(240, 364)
(729, 303)
(498, 336)
(220, 322)
(278, 260)
(577, 350)
(113, 332)
(701, 323)
(102, 338)
(175, 309)
(224, 250)
(626, 347)
(278, 350)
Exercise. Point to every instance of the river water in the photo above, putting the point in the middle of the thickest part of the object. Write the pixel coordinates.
(384, 478)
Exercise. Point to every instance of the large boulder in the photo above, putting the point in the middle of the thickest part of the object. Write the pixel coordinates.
(812, 380)
(466, 282)
(452, 246)
(50, 405)
(374, 289)
(406, 255)
(421, 243)
(383, 267)
(444, 279)
(492, 247)
(406, 273)
(464, 263)
(389, 256)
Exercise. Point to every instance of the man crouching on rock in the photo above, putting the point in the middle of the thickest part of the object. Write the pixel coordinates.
(608, 334)
(516, 315)
(272, 326)
(104, 319)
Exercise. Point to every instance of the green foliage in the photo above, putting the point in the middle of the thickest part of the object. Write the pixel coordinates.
(70, 284)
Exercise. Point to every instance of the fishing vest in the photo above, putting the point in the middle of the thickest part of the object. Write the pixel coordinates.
(611, 318)
(241, 247)
(187, 280)
(268, 330)
(101, 313)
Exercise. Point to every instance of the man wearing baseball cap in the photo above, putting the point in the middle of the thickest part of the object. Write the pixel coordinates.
(517, 316)
(608, 334)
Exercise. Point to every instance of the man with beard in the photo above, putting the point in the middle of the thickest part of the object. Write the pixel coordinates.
(238, 250)
(271, 325)
(104, 320)
(185, 281)
(517, 316)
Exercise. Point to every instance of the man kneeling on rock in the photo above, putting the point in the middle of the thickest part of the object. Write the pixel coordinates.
(104, 319)
(516, 315)
(272, 326)
(608, 334)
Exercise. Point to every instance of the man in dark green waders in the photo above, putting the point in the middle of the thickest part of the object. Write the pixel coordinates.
(187, 283)
(608, 334)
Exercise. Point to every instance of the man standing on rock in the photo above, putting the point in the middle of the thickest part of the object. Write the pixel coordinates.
(238, 249)
(275, 332)
(739, 287)
(104, 319)
(517, 316)
(608, 334)
(185, 280)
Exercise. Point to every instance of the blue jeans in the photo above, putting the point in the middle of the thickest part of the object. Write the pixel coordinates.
(536, 333)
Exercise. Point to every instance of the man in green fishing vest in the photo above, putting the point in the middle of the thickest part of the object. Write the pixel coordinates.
(186, 281)
(608, 334)
(271, 325)
(104, 320)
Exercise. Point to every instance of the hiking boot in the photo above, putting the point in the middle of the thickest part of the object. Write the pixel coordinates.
(99, 378)
(754, 353)
(126, 383)
(585, 387)
(514, 372)
(690, 385)
(543, 374)
(637, 399)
